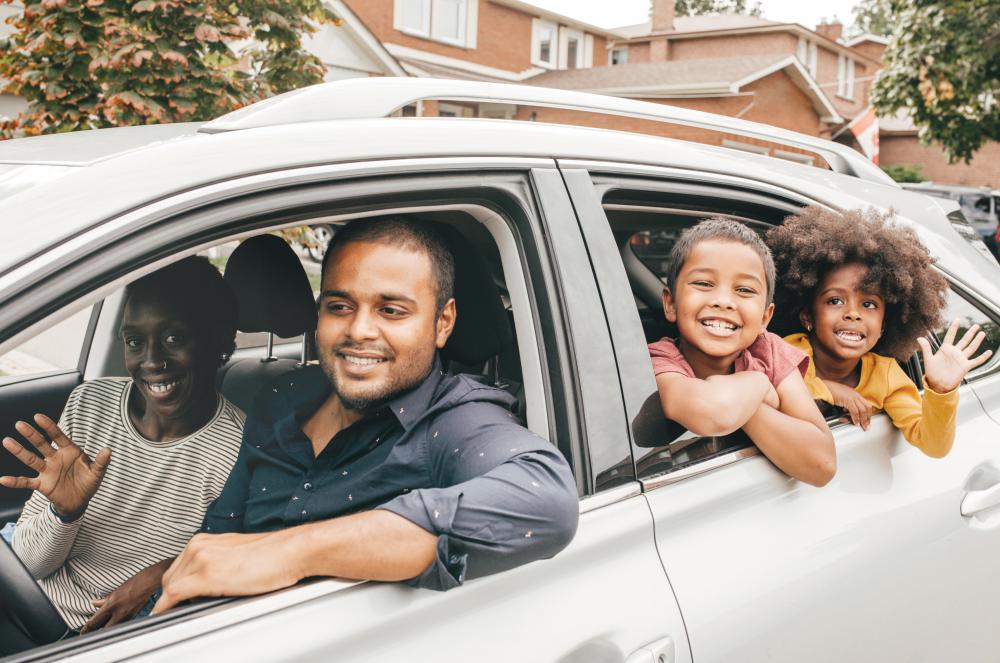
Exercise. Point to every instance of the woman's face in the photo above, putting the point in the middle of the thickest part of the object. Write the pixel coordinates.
(170, 359)
(846, 318)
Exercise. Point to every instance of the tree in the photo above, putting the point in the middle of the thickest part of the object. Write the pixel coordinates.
(873, 17)
(87, 64)
(943, 66)
(904, 172)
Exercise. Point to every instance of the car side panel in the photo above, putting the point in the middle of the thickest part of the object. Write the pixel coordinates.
(599, 600)
(878, 565)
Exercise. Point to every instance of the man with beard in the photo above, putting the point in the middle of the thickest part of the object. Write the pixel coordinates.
(377, 464)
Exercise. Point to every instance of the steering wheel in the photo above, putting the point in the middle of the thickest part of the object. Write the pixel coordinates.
(25, 605)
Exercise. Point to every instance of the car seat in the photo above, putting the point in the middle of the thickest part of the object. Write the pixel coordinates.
(274, 296)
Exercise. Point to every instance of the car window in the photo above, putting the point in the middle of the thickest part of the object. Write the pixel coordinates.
(57, 348)
(968, 314)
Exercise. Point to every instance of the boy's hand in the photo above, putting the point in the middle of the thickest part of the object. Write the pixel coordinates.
(859, 409)
(944, 369)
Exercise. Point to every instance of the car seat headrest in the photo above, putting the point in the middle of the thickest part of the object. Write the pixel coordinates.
(271, 287)
(482, 329)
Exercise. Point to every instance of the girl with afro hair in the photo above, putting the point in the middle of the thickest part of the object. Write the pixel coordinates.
(863, 292)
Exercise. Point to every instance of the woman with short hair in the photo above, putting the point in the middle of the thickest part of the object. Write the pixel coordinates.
(126, 476)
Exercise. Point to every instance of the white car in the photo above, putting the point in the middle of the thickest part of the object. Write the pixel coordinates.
(688, 549)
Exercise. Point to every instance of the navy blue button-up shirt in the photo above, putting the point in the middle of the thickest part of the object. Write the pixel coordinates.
(449, 456)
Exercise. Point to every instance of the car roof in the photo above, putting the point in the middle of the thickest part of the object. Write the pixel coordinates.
(80, 148)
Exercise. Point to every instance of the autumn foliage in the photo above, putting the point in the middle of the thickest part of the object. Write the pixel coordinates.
(87, 64)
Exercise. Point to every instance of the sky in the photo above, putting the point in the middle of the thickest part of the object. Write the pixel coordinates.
(605, 14)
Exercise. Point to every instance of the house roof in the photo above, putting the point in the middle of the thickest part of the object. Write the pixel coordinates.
(364, 37)
(695, 27)
(697, 24)
(688, 78)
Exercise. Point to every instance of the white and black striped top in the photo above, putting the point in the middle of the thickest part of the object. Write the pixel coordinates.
(149, 505)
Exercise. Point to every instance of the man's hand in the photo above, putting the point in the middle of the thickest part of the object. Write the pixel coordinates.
(858, 409)
(128, 599)
(66, 476)
(944, 369)
(228, 565)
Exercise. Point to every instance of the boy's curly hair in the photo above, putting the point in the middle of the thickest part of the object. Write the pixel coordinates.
(817, 240)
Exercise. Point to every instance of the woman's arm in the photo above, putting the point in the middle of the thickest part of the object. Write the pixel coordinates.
(795, 437)
(717, 405)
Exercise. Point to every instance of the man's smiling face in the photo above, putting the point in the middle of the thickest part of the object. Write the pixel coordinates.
(378, 323)
(720, 306)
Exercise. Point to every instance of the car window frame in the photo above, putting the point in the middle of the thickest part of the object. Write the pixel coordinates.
(589, 183)
(153, 243)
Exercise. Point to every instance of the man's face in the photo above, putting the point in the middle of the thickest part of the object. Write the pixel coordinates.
(378, 325)
(720, 306)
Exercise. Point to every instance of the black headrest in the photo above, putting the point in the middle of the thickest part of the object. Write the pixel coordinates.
(482, 329)
(271, 287)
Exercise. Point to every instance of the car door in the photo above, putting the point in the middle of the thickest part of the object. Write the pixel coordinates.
(604, 598)
(879, 565)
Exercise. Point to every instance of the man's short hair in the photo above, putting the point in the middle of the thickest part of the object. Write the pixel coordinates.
(404, 232)
(722, 230)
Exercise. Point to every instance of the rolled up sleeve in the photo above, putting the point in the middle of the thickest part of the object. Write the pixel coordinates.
(514, 502)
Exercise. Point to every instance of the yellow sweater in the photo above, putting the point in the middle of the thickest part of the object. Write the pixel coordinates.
(927, 424)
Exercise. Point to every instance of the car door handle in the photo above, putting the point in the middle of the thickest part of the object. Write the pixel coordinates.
(660, 651)
(979, 500)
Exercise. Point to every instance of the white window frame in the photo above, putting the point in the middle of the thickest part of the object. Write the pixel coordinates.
(803, 51)
(537, 25)
(431, 27)
(850, 79)
(565, 34)
(619, 49)
(812, 58)
(424, 30)
(841, 75)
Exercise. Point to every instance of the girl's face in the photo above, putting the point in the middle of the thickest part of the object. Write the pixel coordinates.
(846, 321)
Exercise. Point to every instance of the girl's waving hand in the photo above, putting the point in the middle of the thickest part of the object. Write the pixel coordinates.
(944, 369)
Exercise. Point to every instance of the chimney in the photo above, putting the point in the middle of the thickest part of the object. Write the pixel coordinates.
(831, 30)
(663, 15)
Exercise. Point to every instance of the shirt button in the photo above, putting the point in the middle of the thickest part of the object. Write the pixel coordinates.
(307, 486)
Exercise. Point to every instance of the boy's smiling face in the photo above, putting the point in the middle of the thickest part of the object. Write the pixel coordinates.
(720, 305)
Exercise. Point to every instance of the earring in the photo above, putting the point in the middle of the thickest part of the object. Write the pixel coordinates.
(164, 365)
(809, 327)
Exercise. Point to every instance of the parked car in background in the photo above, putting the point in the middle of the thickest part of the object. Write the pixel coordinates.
(980, 205)
(689, 548)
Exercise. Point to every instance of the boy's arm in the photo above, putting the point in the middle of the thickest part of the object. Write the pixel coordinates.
(795, 437)
(717, 405)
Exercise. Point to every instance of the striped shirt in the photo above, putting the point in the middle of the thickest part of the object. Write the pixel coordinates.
(149, 505)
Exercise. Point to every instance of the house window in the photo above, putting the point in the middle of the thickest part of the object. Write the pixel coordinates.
(812, 59)
(619, 55)
(803, 52)
(570, 49)
(448, 21)
(413, 16)
(543, 43)
(845, 77)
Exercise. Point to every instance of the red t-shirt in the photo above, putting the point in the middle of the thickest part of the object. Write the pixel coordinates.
(769, 354)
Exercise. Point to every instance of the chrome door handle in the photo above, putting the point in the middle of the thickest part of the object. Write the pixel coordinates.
(979, 500)
(659, 651)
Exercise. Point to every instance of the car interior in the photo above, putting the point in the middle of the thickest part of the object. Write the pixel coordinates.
(276, 286)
